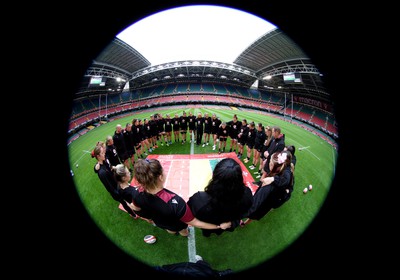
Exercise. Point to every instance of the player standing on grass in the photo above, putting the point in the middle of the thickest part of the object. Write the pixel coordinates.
(242, 137)
(183, 126)
(250, 140)
(199, 128)
(119, 142)
(130, 144)
(154, 131)
(104, 171)
(207, 129)
(265, 146)
(235, 126)
(222, 134)
(147, 136)
(192, 126)
(168, 130)
(137, 135)
(258, 145)
(215, 123)
(176, 127)
(111, 151)
(161, 129)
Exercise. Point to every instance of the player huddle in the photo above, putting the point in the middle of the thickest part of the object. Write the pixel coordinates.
(266, 146)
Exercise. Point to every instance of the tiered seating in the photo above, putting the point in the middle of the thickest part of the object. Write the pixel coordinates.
(159, 90)
(305, 113)
(182, 88)
(253, 93)
(169, 89)
(86, 111)
(147, 92)
(208, 88)
(220, 89)
(194, 87)
(230, 89)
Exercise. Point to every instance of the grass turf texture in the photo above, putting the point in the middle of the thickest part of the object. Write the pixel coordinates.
(242, 249)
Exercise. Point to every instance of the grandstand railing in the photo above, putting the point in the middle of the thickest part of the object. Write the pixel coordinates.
(323, 121)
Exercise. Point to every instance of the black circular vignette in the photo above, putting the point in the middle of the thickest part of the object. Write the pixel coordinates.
(78, 245)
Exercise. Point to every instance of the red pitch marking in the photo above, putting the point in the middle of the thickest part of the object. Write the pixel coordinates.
(177, 170)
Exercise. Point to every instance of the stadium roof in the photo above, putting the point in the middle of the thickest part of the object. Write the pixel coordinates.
(273, 54)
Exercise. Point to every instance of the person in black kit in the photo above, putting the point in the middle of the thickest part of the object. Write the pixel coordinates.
(199, 128)
(258, 145)
(183, 124)
(130, 144)
(225, 198)
(251, 138)
(284, 184)
(167, 209)
(161, 129)
(265, 146)
(277, 145)
(276, 188)
(111, 151)
(215, 124)
(176, 127)
(137, 136)
(168, 130)
(292, 150)
(242, 137)
(104, 171)
(147, 136)
(235, 126)
(207, 130)
(119, 142)
(192, 126)
(154, 131)
(126, 191)
(222, 134)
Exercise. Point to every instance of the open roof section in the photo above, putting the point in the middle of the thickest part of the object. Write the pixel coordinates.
(272, 54)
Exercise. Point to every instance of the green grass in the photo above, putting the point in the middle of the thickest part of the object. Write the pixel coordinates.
(242, 249)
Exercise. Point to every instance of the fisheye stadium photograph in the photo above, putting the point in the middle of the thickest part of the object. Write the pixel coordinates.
(202, 140)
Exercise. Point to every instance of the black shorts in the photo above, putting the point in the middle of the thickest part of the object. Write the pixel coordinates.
(258, 147)
(131, 152)
(123, 156)
(222, 139)
(250, 145)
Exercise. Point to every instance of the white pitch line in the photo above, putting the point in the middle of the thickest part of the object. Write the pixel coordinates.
(313, 154)
(169, 170)
(306, 148)
(191, 237)
(334, 160)
(192, 145)
(191, 245)
(87, 152)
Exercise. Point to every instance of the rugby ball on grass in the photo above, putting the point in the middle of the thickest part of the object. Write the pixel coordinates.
(150, 239)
